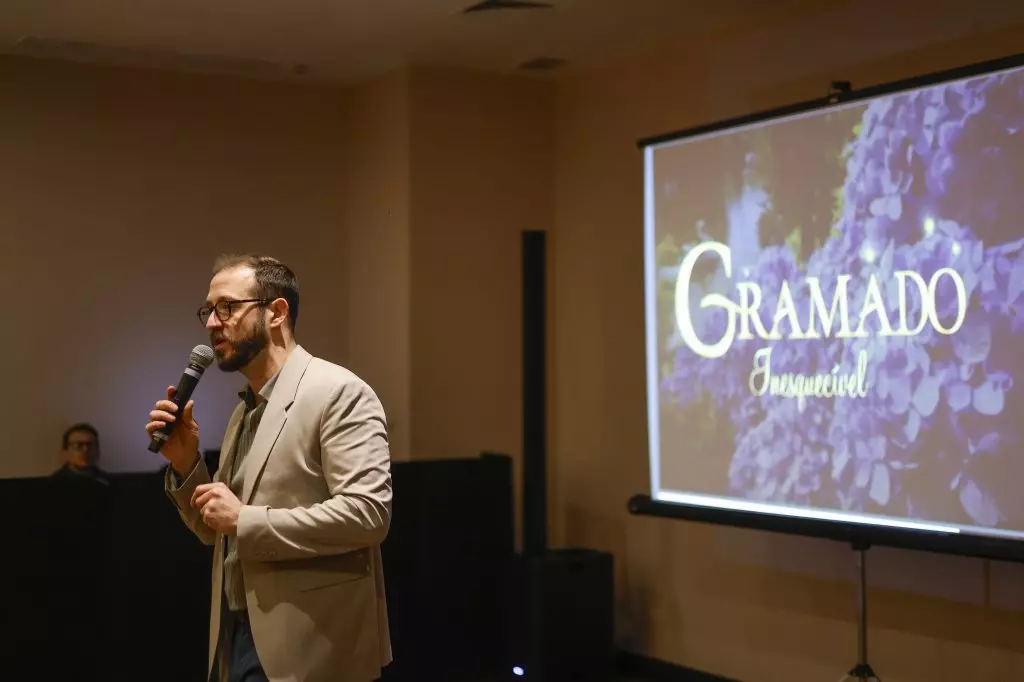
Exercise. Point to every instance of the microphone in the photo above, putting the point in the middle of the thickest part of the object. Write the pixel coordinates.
(199, 359)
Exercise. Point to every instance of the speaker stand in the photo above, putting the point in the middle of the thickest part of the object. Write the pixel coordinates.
(862, 671)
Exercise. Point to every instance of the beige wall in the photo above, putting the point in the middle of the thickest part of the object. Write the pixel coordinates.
(749, 605)
(445, 169)
(376, 155)
(117, 190)
(482, 173)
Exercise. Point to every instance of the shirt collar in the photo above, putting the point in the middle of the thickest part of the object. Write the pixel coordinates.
(251, 399)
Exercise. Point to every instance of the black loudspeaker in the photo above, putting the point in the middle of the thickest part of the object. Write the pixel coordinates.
(535, 521)
(560, 605)
(445, 560)
(561, 617)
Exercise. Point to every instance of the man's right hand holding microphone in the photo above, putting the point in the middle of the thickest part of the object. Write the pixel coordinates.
(216, 503)
(182, 446)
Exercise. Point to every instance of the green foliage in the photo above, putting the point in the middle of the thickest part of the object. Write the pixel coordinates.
(666, 254)
(667, 250)
(794, 241)
(838, 201)
(838, 205)
(807, 201)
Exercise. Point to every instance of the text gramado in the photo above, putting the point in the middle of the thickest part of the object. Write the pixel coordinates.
(745, 322)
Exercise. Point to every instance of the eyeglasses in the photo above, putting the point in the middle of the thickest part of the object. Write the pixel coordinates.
(224, 309)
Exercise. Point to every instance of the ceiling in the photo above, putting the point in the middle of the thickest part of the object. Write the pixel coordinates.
(341, 41)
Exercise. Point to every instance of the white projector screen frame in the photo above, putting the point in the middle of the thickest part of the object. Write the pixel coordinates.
(720, 234)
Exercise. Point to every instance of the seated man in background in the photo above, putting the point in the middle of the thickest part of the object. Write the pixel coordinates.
(74, 548)
(80, 454)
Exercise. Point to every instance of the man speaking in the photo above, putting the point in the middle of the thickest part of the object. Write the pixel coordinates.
(301, 501)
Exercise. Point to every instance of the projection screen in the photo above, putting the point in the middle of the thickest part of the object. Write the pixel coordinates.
(833, 310)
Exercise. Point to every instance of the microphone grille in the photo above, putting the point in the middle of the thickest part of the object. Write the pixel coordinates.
(201, 355)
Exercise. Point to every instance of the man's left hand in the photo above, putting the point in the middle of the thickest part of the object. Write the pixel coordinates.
(218, 506)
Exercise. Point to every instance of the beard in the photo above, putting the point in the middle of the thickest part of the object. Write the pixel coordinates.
(241, 352)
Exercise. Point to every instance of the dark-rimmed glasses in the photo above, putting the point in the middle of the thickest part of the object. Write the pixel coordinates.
(224, 309)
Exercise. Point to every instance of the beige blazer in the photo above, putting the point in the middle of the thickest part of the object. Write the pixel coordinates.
(317, 505)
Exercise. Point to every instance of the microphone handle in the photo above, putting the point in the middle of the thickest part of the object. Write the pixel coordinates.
(188, 382)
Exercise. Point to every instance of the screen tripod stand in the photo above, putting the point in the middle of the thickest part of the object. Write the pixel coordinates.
(861, 672)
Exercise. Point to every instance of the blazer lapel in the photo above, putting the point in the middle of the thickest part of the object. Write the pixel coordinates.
(273, 420)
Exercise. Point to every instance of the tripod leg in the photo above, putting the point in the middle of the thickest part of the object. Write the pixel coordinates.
(862, 615)
(862, 670)
(863, 673)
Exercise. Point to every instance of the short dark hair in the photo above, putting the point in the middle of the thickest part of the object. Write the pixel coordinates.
(274, 279)
(80, 427)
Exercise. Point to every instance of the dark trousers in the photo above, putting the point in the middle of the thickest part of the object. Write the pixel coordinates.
(243, 662)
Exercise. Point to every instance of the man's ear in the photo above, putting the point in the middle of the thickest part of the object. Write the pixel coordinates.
(279, 307)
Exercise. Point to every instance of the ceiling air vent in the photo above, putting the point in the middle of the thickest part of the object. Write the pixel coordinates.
(494, 5)
(542, 64)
